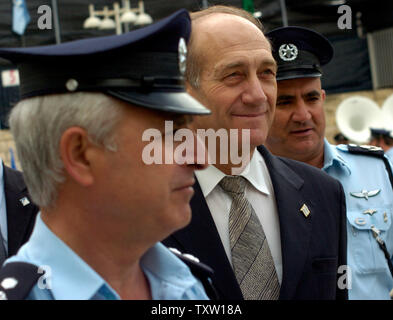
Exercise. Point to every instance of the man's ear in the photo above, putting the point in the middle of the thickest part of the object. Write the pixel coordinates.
(74, 147)
(323, 95)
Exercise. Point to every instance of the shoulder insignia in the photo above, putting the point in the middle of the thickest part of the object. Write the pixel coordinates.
(17, 279)
(366, 150)
(371, 148)
(192, 262)
(200, 270)
(374, 152)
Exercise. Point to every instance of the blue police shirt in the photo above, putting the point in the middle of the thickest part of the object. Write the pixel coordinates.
(371, 278)
(70, 278)
(389, 154)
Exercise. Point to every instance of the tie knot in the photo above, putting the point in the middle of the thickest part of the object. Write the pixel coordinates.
(234, 184)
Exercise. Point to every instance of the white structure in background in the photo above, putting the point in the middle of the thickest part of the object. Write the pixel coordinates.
(356, 115)
(125, 14)
(387, 111)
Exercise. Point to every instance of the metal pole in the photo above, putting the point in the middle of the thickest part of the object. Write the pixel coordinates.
(117, 18)
(56, 21)
(284, 13)
(126, 5)
(23, 40)
(205, 5)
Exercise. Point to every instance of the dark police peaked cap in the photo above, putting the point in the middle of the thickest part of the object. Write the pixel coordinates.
(376, 132)
(144, 67)
(299, 52)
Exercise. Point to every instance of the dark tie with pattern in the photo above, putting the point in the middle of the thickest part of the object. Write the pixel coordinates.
(251, 257)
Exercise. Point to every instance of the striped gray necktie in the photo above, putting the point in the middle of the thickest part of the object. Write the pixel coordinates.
(251, 258)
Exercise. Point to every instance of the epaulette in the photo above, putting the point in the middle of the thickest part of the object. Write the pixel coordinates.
(366, 150)
(200, 270)
(17, 279)
(373, 152)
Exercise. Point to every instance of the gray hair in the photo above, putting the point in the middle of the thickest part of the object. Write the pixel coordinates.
(37, 125)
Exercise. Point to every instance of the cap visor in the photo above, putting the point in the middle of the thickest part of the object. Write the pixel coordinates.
(175, 102)
(298, 74)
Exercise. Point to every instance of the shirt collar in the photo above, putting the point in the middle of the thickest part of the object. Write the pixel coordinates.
(168, 276)
(210, 177)
(70, 277)
(333, 158)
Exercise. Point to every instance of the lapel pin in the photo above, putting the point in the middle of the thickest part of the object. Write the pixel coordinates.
(369, 211)
(365, 194)
(24, 201)
(385, 217)
(304, 209)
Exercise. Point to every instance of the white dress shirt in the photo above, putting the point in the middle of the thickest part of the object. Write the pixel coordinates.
(259, 193)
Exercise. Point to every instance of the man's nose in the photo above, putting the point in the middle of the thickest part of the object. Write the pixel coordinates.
(301, 113)
(254, 93)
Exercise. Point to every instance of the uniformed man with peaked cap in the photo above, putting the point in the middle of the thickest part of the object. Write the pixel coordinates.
(299, 52)
(383, 138)
(79, 133)
(298, 132)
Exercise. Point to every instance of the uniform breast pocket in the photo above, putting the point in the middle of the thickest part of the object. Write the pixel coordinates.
(364, 253)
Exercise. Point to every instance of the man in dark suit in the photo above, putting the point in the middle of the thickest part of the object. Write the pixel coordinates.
(20, 212)
(273, 228)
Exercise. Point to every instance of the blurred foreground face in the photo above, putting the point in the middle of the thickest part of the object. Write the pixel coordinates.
(154, 195)
(237, 77)
(298, 128)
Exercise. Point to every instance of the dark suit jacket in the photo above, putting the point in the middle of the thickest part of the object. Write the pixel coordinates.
(312, 248)
(20, 219)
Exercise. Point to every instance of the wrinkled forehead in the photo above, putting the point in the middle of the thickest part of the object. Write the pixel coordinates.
(223, 30)
(221, 39)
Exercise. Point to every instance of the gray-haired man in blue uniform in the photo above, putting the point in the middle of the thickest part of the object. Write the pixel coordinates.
(78, 132)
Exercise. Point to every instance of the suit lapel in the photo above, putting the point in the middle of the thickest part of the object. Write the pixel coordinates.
(19, 217)
(201, 238)
(295, 228)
